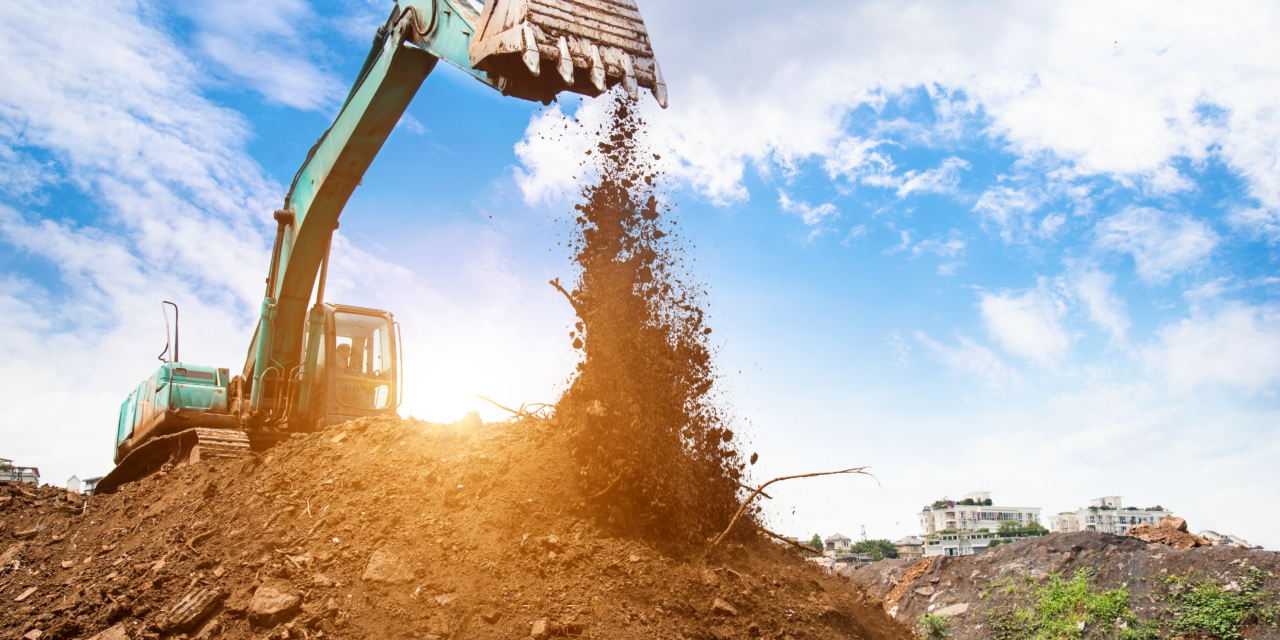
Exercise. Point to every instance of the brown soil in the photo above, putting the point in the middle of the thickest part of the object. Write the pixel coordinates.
(912, 588)
(389, 528)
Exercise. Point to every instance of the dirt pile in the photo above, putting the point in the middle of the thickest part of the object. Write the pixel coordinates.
(653, 447)
(1083, 585)
(1171, 531)
(389, 528)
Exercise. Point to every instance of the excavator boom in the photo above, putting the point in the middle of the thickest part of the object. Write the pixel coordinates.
(312, 364)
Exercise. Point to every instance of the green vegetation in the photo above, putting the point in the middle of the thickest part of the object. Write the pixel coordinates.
(1209, 609)
(816, 542)
(877, 549)
(1059, 606)
(1014, 529)
(933, 626)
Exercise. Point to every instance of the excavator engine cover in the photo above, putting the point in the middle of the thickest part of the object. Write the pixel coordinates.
(538, 48)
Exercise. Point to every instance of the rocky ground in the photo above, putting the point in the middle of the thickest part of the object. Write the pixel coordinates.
(389, 528)
(1083, 585)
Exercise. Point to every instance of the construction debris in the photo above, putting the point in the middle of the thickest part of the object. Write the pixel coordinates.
(1171, 531)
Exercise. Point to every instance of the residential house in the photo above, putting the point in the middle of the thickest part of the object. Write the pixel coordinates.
(9, 472)
(975, 513)
(909, 547)
(1106, 515)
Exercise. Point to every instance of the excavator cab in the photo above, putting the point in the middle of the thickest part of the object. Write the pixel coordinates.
(357, 367)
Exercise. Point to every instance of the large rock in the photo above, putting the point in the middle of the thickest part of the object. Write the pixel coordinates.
(271, 606)
(953, 610)
(1171, 531)
(118, 632)
(1177, 524)
(385, 566)
(192, 608)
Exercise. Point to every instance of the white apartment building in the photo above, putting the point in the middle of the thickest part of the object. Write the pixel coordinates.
(1106, 515)
(980, 513)
(958, 544)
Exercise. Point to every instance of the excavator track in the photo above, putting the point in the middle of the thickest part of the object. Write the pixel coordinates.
(175, 450)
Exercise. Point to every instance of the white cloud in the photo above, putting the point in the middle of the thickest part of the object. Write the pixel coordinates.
(270, 45)
(1027, 325)
(1238, 346)
(974, 361)
(1106, 309)
(1264, 223)
(1092, 88)
(856, 231)
(943, 178)
(810, 214)
(950, 247)
(1162, 244)
(1006, 209)
(410, 124)
(901, 350)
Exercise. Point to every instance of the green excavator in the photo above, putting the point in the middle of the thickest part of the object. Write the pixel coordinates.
(311, 365)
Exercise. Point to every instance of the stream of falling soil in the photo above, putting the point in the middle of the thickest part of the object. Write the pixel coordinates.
(654, 448)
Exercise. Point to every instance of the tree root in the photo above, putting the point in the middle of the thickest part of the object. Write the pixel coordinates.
(760, 491)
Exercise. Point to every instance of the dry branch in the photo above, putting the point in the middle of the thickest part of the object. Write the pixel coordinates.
(756, 492)
(523, 414)
(789, 540)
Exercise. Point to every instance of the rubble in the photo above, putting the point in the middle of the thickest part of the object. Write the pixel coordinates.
(1171, 531)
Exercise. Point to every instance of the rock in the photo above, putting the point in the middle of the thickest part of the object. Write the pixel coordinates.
(33, 634)
(271, 606)
(1177, 524)
(953, 610)
(539, 630)
(633, 558)
(385, 566)
(709, 578)
(25, 535)
(490, 614)
(117, 632)
(12, 553)
(924, 591)
(723, 608)
(718, 634)
(445, 598)
(192, 608)
(25, 594)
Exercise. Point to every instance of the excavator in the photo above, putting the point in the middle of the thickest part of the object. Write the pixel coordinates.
(311, 365)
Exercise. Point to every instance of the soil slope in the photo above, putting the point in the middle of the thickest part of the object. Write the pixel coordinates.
(389, 528)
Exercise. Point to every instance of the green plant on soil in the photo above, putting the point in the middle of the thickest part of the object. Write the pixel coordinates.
(934, 626)
(1209, 609)
(1058, 606)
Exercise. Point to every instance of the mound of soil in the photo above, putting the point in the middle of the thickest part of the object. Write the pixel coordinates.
(389, 528)
(971, 591)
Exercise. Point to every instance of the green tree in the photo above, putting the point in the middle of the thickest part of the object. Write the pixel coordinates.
(1035, 528)
(816, 542)
(1009, 527)
(877, 549)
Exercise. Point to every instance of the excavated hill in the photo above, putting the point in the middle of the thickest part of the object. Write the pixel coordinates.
(1084, 585)
(390, 528)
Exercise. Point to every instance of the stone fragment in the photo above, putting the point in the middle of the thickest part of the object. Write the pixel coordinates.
(25, 535)
(490, 614)
(709, 578)
(924, 591)
(385, 566)
(540, 630)
(633, 558)
(271, 606)
(25, 594)
(723, 608)
(33, 634)
(12, 553)
(445, 598)
(953, 610)
(117, 632)
(1177, 524)
(192, 608)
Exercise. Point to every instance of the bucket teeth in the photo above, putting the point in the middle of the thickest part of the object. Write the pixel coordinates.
(597, 69)
(659, 86)
(531, 58)
(629, 77)
(565, 66)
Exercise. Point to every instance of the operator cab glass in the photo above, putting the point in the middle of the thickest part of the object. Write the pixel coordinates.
(362, 360)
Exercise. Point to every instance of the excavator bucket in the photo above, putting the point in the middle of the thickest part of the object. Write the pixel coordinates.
(538, 48)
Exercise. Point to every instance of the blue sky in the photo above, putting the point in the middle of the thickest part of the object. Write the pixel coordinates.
(972, 245)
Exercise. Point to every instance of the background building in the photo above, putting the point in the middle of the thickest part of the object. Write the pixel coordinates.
(837, 545)
(909, 547)
(1106, 515)
(18, 474)
(975, 512)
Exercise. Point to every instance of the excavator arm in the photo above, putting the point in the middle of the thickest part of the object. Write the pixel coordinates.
(510, 45)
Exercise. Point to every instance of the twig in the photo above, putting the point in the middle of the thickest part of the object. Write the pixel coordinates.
(199, 538)
(789, 540)
(556, 283)
(752, 489)
(610, 487)
(515, 411)
(747, 502)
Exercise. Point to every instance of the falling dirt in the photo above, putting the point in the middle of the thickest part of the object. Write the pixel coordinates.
(654, 450)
